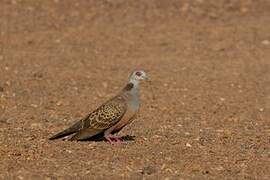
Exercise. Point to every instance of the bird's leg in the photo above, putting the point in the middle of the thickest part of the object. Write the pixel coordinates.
(113, 139)
(110, 137)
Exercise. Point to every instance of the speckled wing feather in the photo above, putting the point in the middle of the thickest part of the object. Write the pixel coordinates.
(102, 118)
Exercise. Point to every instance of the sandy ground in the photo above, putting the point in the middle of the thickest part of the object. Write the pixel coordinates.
(206, 117)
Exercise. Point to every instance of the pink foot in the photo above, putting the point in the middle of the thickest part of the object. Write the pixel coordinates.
(114, 139)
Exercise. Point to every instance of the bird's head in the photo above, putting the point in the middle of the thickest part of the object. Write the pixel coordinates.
(137, 76)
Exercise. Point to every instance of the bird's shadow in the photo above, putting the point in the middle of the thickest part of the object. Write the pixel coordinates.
(125, 138)
(128, 138)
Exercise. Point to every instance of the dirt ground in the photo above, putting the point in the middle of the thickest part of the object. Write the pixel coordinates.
(206, 115)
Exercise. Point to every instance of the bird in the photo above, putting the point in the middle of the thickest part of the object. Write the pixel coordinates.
(109, 118)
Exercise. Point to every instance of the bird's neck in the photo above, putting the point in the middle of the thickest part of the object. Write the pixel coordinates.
(134, 82)
(131, 92)
(132, 87)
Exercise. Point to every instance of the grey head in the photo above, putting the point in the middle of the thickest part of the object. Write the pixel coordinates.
(136, 77)
(134, 80)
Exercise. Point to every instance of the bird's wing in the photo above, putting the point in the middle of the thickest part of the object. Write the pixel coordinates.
(72, 129)
(102, 118)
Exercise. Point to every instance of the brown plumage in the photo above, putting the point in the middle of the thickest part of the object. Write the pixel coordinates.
(110, 117)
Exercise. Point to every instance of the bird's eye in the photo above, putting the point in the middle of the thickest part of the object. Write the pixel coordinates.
(138, 73)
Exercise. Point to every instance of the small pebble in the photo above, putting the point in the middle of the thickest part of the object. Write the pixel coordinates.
(261, 109)
(222, 99)
(219, 168)
(244, 10)
(36, 125)
(34, 105)
(266, 42)
(104, 84)
(187, 133)
(14, 2)
(149, 170)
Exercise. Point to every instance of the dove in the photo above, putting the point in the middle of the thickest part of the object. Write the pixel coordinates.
(109, 118)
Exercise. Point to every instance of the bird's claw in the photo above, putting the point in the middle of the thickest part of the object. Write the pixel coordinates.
(114, 139)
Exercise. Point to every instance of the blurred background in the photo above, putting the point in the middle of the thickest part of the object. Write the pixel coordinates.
(206, 115)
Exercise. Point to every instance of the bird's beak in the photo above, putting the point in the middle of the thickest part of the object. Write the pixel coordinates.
(147, 79)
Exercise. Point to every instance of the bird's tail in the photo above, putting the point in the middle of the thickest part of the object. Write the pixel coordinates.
(75, 128)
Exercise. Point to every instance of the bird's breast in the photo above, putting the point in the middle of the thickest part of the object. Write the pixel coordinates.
(126, 119)
(133, 105)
